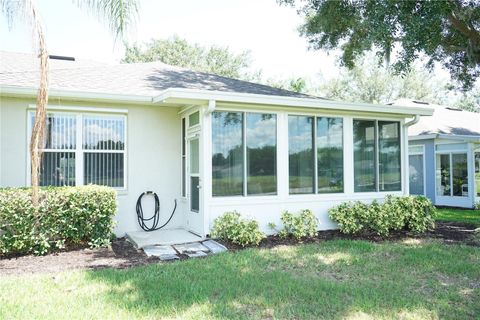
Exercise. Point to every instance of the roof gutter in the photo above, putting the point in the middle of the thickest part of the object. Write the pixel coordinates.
(189, 96)
(459, 137)
(181, 94)
(14, 91)
(413, 121)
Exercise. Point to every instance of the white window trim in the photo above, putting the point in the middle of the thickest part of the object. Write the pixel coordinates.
(79, 151)
(244, 147)
(424, 162)
(450, 154)
(377, 153)
(315, 154)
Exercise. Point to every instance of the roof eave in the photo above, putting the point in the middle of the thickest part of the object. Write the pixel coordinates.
(196, 96)
(19, 92)
(465, 138)
(189, 96)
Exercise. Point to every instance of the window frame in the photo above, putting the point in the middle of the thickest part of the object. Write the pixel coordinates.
(377, 155)
(450, 157)
(315, 117)
(245, 194)
(79, 113)
(476, 190)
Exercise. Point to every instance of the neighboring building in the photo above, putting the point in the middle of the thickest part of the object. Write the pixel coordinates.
(445, 156)
(214, 143)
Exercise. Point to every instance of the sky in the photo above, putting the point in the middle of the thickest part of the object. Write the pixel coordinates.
(269, 31)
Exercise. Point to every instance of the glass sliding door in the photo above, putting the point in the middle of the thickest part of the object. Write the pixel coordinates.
(330, 155)
(416, 171)
(443, 175)
(261, 145)
(477, 172)
(300, 154)
(389, 165)
(364, 155)
(452, 175)
(459, 175)
(227, 156)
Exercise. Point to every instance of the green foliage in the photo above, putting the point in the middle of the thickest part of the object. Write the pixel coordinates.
(415, 213)
(230, 226)
(65, 215)
(302, 225)
(176, 51)
(369, 81)
(445, 31)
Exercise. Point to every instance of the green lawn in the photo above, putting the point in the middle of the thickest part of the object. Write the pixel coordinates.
(332, 280)
(459, 215)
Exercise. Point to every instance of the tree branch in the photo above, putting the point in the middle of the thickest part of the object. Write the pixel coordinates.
(460, 26)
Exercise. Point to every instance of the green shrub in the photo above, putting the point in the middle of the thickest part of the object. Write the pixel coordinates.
(302, 225)
(415, 213)
(476, 206)
(64, 216)
(230, 226)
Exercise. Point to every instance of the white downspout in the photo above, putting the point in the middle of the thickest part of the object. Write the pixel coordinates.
(413, 121)
(407, 158)
(212, 104)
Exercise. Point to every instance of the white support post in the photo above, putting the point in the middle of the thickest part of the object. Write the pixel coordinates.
(282, 155)
(348, 165)
(78, 152)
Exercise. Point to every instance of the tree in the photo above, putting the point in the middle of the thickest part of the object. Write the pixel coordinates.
(446, 31)
(299, 85)
(178, 52)
(119, 15)
(469, 101)
(369, 81)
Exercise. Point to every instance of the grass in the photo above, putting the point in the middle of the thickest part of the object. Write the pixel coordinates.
(333, 280)
(459, 215)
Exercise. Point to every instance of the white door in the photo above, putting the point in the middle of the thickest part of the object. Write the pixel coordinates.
(194, 214)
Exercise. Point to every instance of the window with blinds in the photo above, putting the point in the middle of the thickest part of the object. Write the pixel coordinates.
(83, 149)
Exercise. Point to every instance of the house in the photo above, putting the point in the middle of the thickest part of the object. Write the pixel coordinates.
(215, 144)
(444, 156)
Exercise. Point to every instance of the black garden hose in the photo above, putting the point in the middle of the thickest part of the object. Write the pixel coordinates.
(155, 219)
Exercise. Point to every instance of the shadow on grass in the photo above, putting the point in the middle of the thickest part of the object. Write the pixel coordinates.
(338, 279)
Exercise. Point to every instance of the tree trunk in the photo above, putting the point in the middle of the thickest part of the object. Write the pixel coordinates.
(38, 130)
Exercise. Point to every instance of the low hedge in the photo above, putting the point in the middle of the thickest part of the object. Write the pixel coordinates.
(414, 213)
(64, 216)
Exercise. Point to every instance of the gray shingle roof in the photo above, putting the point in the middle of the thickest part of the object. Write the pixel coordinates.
(445, 120)
(148, 79)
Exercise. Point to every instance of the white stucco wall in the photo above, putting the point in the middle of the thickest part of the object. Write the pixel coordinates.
(154, 163)
(153, 155)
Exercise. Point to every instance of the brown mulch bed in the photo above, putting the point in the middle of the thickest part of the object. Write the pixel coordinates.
(121, 254)
(448, 232)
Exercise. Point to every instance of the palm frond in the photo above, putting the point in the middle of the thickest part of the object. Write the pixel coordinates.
(118, 14)
(11, 9)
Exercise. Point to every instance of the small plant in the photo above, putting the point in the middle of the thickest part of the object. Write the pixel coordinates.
(230, 226)
(415, 213)
(477, 205)
(302, 225)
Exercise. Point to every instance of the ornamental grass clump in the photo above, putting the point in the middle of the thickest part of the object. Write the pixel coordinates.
(64, 216)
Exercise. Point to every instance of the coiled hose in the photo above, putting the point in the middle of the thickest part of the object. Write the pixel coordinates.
(155, 219)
